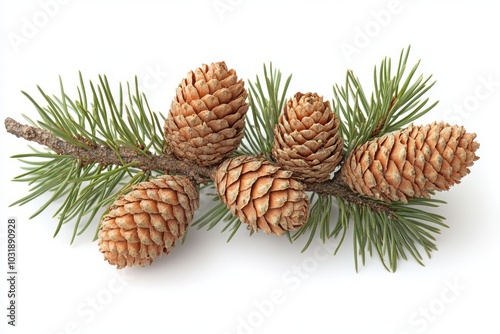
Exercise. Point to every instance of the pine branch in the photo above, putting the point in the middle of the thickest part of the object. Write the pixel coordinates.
(124, 156)
(99, 141)
(166, 163)
(107, 156)
(335, 187)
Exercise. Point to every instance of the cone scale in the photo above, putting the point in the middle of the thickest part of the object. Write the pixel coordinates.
(207, 116)
(306, 138)
(411, 163)
(262, 195)
(147, 221)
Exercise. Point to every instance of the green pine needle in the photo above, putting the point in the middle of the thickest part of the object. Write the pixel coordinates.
(395, 102)
(408, 230)
(266, 104)
(86, 189)
(219, 213)
(319, 218)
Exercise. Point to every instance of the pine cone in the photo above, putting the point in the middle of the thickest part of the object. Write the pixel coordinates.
(262, 195)
(148, 220)
(207, 116)
(411, 162)
(306, 139)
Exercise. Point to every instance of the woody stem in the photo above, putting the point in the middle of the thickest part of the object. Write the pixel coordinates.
(166, 163)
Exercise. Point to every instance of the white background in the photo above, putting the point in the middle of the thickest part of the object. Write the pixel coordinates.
(261, 284)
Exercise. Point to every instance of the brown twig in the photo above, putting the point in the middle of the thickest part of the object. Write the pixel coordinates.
(107, 156)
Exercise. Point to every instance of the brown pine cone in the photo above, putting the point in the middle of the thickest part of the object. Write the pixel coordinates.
(306, 139)
(411, 162)
(207, 116)
(147, 221)
(262, 195)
